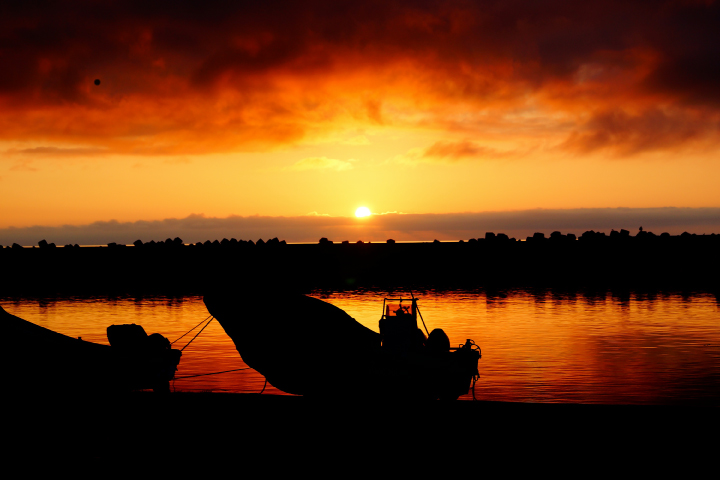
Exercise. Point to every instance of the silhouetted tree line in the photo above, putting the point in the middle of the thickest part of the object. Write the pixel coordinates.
(594, 259)
(177, 242)
(170, 243)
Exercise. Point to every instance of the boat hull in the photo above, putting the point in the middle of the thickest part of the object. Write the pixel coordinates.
(38, 359)
(305, 346)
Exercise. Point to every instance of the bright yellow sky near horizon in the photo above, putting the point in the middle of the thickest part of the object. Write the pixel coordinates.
(49, 191)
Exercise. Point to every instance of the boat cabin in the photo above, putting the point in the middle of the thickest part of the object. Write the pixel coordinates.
(399, 307)
(398, 324)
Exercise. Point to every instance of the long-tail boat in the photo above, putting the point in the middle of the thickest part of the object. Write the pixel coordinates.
(305, 346)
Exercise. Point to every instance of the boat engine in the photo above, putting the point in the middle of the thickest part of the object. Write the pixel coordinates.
(143, 361)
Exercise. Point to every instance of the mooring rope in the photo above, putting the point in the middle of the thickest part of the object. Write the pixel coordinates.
(193, 328)
(206, 374)
(198, 333)
(214, 373)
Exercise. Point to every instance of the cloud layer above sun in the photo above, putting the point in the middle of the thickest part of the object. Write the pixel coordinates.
(186, 78)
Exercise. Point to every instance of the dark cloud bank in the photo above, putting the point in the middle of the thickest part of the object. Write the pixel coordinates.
(401, 227)
(639, 75)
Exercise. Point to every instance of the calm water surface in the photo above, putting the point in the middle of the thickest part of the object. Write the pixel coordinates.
(537, 346)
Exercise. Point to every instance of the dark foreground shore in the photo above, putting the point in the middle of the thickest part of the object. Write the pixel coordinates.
(288, 435)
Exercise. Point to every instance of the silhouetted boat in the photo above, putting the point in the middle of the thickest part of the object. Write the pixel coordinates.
(305, 346)
(37, 359)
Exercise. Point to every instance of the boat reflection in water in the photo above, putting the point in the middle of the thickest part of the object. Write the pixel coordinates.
(305, 346)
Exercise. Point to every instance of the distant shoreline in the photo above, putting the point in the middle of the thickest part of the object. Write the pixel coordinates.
(591, 261)
(587, 236)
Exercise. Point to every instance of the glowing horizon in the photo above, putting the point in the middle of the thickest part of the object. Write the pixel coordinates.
(376, 228)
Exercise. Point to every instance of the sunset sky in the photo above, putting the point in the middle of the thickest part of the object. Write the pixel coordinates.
(444, 115)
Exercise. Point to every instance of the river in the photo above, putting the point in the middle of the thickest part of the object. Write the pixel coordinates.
(537, 346)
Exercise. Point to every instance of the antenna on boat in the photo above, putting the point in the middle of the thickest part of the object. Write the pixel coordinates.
(418, 310)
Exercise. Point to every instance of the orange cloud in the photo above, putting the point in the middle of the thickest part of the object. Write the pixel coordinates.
(56, 152)
(321, 163)
(452, 152)
(195, 79)
(625, 134)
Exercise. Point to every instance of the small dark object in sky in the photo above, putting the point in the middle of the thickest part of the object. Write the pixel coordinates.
(97, 81)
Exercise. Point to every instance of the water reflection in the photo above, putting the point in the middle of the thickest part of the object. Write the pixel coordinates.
(539, 345)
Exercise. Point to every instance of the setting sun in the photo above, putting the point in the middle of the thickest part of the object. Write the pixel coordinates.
(362, 212)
